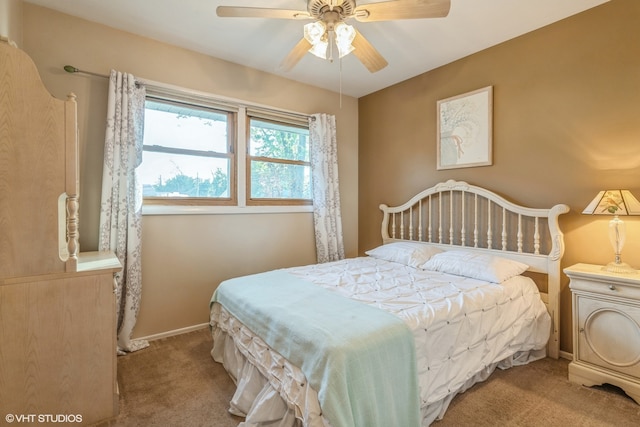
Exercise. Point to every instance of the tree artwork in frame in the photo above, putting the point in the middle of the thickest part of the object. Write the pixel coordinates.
(465, 130)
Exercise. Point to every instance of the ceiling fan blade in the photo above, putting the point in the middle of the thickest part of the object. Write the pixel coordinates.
(402, 9)
(295, 55)
(367, 54)
(258, 12)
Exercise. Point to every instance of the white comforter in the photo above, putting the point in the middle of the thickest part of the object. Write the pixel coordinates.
(462, 327)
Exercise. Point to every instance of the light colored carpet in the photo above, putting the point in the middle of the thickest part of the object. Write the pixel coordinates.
(175, 382)
(540, 394)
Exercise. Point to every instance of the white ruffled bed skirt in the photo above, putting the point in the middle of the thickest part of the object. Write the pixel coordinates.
(271, 392)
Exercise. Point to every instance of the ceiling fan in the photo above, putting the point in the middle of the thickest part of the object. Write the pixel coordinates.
(329, 27)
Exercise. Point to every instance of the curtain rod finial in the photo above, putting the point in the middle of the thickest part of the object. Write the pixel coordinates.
(70, 69)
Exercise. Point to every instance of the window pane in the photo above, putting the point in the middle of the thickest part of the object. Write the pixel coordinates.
(278, 141)
(280, 181)
(178, 126)
(177, 175)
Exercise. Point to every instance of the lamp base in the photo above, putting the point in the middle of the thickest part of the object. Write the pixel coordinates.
(619, 267)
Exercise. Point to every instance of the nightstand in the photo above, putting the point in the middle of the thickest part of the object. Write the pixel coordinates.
(606, 328)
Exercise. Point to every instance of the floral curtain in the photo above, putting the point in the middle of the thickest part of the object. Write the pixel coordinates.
(121, 206)
(326, 195)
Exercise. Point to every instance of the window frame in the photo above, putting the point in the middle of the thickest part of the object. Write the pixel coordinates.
(239, 181)
(229, 155)
(249, 158)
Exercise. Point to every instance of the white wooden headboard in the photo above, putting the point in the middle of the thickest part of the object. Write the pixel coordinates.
(455, 214)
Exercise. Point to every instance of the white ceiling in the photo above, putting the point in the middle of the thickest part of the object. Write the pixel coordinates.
(411, 47)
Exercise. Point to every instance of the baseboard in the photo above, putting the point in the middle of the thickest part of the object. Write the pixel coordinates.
(566, 355)
(174, 332)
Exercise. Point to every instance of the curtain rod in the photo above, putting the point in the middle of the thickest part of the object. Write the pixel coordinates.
(73, 70)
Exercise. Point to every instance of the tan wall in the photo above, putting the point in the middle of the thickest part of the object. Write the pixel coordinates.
(566, 125)
(11, 20)
(185, 257)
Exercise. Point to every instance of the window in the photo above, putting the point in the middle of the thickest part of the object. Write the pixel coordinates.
(205, 152)
(278, 163)
(187, 154)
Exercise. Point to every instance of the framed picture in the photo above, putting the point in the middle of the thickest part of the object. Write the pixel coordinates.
(465, 130)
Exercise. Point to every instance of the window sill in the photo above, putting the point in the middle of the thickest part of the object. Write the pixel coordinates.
(222, 210)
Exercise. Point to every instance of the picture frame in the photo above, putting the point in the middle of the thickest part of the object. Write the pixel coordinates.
(464, 130)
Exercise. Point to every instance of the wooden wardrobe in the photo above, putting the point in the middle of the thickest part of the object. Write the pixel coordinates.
(57, 304)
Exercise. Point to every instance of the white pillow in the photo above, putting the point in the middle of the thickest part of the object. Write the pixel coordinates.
(412, 254)
(489, 268)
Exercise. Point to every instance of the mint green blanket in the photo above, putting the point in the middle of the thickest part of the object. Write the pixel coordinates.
(360, 360)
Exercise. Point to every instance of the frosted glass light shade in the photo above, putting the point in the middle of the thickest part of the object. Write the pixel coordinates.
(320, 49)
(314, 31)
(344, 36)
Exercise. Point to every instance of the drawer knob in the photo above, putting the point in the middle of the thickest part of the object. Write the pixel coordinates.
(612, 287)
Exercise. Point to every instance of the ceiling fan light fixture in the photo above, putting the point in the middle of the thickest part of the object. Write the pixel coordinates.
(344, 36)
(326, 33)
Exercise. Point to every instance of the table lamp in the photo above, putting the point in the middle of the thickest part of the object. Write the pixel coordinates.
(616, 203)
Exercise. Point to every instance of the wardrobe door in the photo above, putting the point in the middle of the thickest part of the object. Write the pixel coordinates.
(38, 172)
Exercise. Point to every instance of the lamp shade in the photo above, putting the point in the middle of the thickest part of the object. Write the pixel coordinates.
(613, 202)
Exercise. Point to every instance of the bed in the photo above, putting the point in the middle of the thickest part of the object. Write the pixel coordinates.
(464, 282)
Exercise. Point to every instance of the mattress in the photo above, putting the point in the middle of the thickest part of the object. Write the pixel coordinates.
(462, 329)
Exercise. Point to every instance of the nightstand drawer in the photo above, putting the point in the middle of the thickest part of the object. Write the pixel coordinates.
(606, 287)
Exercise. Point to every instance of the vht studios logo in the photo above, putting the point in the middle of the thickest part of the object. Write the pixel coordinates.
(43, 418)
